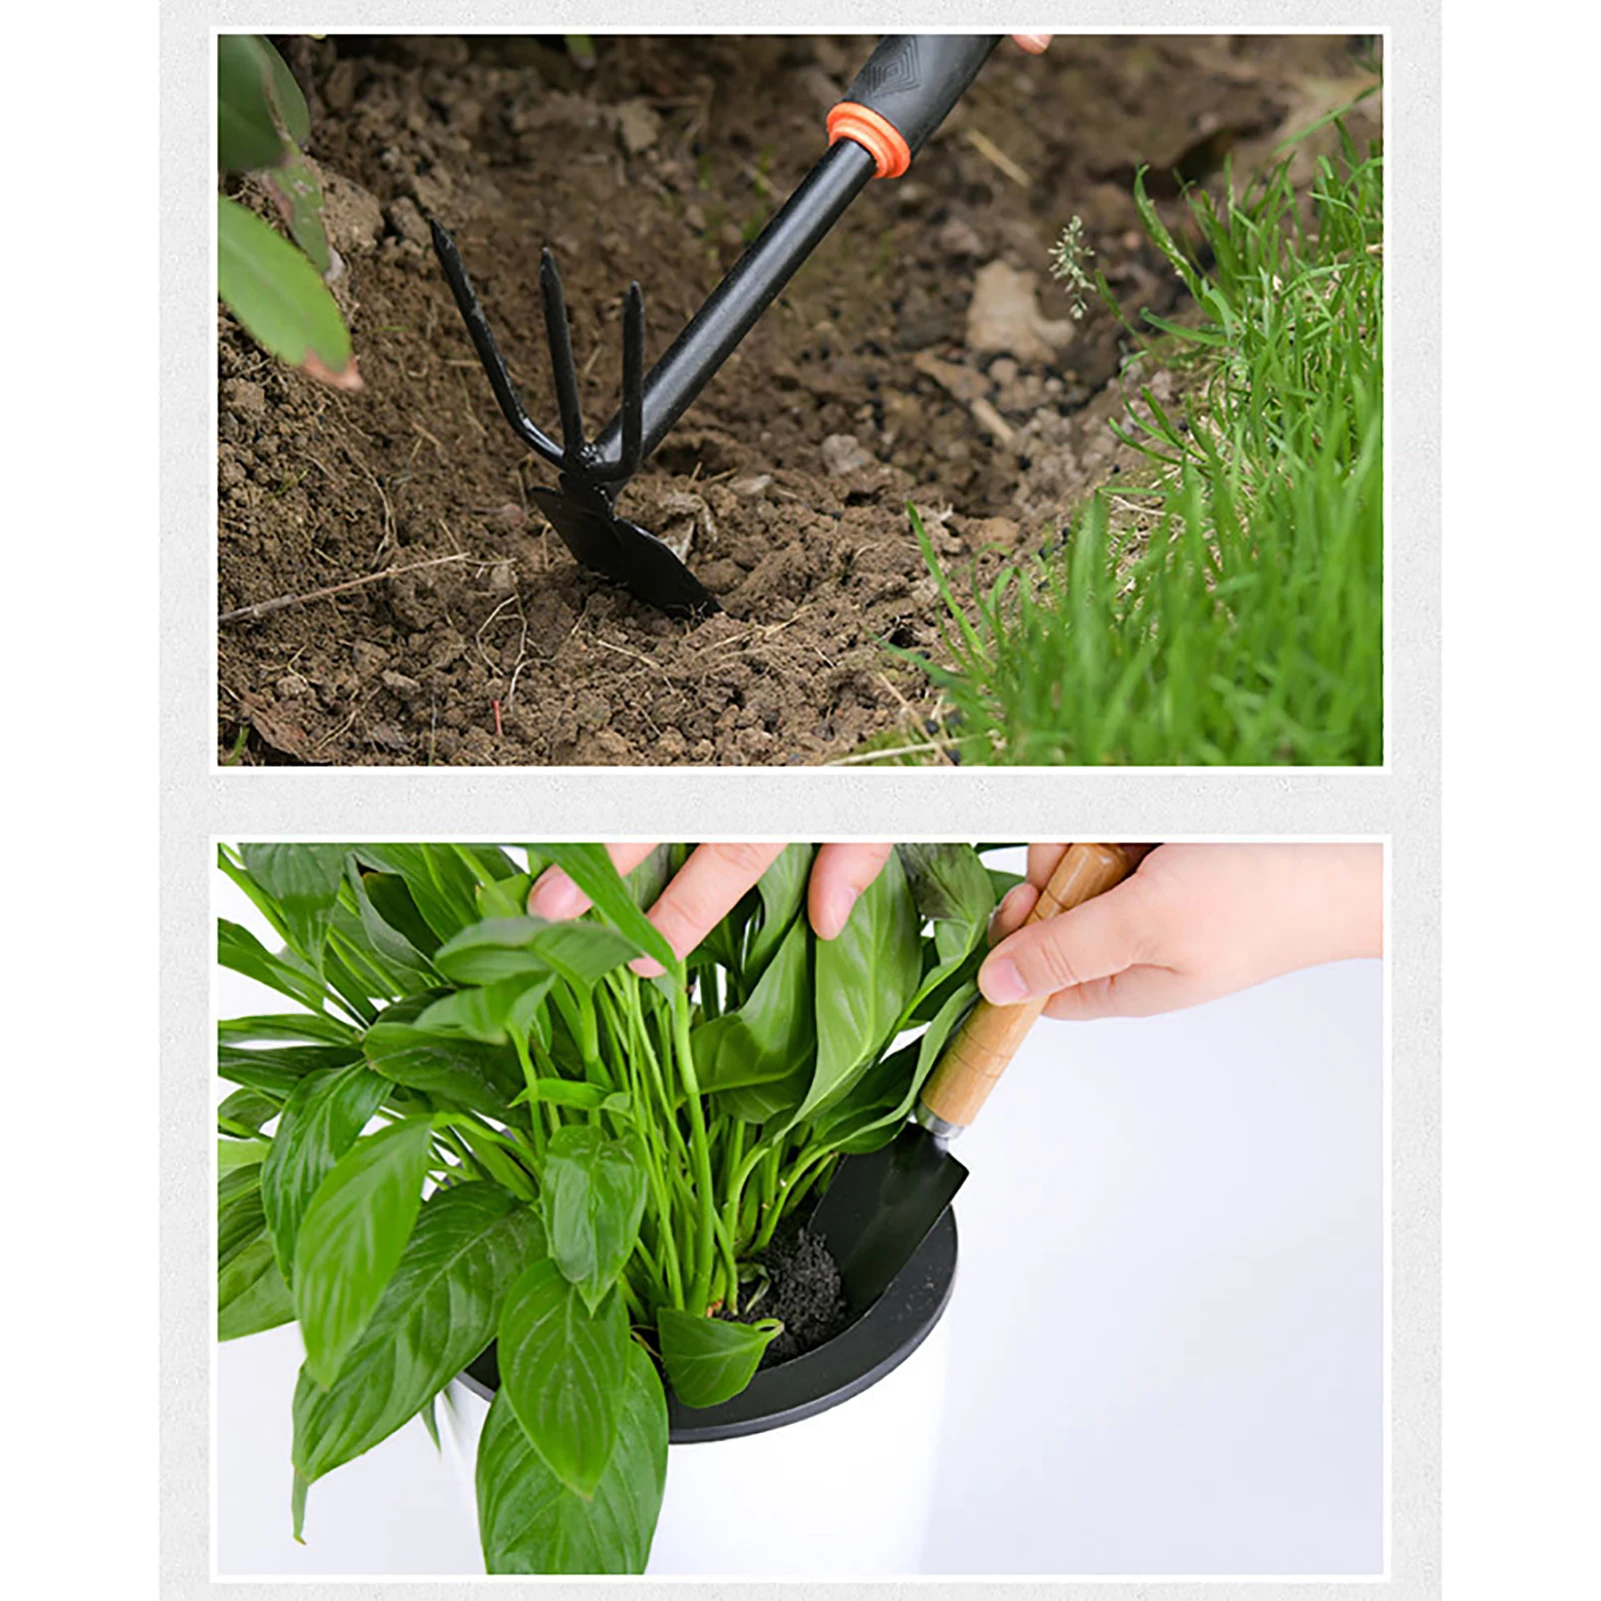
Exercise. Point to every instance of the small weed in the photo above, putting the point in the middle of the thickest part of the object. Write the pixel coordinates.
(1070, 259)
(1230, 610)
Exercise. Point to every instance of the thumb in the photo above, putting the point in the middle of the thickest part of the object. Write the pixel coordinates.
(1091, 941)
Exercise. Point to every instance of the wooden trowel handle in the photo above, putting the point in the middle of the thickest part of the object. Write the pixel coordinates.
(987, 1041)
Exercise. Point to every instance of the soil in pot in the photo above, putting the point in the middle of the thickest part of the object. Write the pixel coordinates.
(803, 1292)
(870, 381)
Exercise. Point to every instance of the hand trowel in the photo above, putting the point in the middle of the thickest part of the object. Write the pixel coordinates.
(880, 1206)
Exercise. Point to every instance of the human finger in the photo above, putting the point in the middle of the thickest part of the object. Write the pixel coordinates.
(703, 891)
(840, 875)
(556, 897)
(1034, 43)
(1095, 940)
(1043, 860)
(1013, 911)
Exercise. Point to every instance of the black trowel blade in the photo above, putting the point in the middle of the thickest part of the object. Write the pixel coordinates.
(880, 1207)
(627, 554)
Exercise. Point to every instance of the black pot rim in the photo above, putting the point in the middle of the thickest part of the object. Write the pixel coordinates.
(861, 1354)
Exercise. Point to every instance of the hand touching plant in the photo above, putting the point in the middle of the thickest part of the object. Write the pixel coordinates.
(477, 1125)
(1194, 922)
(711, 882)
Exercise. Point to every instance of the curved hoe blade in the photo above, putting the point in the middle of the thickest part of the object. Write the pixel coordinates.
(627, 554)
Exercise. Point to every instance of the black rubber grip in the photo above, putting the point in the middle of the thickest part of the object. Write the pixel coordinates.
(913, 79)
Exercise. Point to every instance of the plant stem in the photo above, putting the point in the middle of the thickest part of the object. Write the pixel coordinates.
(706, 1200)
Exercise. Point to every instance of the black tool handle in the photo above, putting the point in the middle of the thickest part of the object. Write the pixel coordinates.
(912, 80)
(910, 83)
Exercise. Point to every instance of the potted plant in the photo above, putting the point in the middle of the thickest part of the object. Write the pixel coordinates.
(481, 1142)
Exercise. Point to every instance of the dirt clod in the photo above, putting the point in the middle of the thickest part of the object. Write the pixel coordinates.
(1004, 315)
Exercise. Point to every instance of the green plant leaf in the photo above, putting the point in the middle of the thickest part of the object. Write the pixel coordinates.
(782, 891)
(245, 1112)
(708, 1359)
(774, 1099)
(490, 864)
(591, 869)
(577, 1092)
(530, 1522)
(296, 1027)
(951, 888)
(352, 1236)
(593, 1196)
(276, 294)
(276, 1072)
(510, 947)
(303, 882)
(647, 879)
(233, 1153)
(865, 979)
(493, 1014)
(392, 925)
(430, 1420)
(563, 1368)
(391, 899)
(437, 1313)
(298, 196)
(258, 111)
(467, 1073)
(879, 1104)
(774, 1033)
(505, 897)
(251, 1293)
(240, 950)
(323, 1117)
(442, 884)
(287, 100)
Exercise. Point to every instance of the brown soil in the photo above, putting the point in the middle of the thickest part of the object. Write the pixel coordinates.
(866, 384)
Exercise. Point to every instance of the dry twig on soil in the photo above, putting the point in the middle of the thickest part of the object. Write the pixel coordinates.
(266, 608)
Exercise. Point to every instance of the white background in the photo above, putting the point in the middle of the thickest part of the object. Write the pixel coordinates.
(1166, 1341)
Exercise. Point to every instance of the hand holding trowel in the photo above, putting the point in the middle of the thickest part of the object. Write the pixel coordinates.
(879, 1207)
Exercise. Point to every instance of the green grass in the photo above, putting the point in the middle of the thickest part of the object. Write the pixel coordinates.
(1229, 607)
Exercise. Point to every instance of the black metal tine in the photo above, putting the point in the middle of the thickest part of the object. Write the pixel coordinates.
(561, 357)
(631, 419)
(489, 356)
(633, 379)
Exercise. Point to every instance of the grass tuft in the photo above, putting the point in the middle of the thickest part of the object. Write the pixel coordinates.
(1237, 615)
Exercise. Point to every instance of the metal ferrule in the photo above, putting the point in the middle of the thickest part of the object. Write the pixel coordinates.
(936, 1125)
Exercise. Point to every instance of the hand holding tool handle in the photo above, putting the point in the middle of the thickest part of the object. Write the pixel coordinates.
(974, 1060)
(905, 91)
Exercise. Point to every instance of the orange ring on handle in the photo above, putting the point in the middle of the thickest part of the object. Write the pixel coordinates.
(875, 133)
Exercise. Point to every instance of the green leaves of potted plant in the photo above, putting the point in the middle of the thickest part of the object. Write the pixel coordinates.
(476, 1127)
(276, 290)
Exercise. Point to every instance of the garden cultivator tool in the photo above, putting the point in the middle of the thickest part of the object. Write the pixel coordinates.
(880, 1206)
(903, 93)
